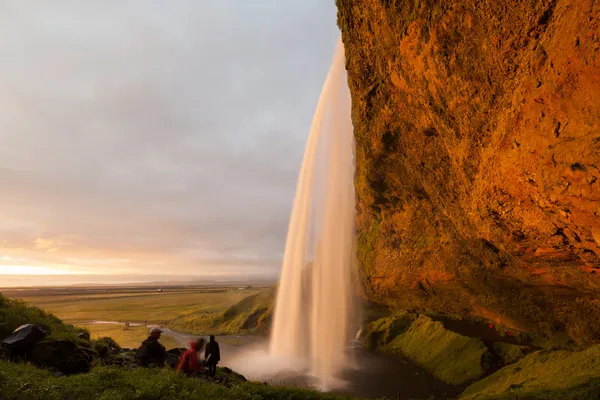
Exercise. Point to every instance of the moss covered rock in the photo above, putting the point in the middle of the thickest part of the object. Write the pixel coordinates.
(450, 357)
(551, 375)
(509, 353)
(382, 331)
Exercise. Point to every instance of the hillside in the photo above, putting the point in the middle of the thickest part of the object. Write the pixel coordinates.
(252, 314)
(477, 127)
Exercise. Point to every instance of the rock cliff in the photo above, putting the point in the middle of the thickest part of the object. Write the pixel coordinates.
(477, 126)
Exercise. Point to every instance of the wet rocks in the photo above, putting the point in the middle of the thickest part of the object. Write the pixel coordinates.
(24, 337)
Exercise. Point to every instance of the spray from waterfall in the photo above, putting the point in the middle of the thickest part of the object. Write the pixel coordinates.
(314, 308)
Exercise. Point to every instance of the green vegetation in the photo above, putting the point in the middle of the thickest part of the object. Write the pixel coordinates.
(545, 374)
(251, 314)
(450, 357)
(14, 313)
(509, 353)
(384, 330)
(23, 381)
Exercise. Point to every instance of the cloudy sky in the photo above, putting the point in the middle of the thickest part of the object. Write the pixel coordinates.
(155, 136)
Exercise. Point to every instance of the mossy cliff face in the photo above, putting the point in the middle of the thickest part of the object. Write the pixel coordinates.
(477, 126)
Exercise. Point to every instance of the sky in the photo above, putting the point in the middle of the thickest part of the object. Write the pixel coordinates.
(155, 137)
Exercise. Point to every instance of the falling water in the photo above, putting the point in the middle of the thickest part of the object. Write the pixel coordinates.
(313, 313)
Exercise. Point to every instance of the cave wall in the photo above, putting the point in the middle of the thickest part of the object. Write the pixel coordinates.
(477, 126)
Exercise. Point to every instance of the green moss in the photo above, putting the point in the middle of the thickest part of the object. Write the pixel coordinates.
(509, 353)
(382, 331)
(450, 357)
(23, 381)
(251, 314)
(544, 375)
(103, 345)
(366, 248)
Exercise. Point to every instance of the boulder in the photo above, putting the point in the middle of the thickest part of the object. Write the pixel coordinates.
(23, 338)
(173, 356)
(124, 359)
(60, 355)
(509, 353)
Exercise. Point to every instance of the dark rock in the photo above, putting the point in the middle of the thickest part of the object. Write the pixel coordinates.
(84, 335)
(173, 356)
(125, 359)
(23, 338)
(176, 351)
(56, 373)
(228, 371)
(60, 355)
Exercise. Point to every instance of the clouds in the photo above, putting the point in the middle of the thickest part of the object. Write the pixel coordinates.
(155, 133)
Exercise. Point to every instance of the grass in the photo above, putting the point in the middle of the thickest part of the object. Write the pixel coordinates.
(551, 375)
(450, 357)
(14, 313)
(250, 314)
(130, 338)
(138, 305)
(23, 381)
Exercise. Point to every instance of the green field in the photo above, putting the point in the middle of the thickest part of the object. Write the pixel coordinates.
(80, 306)
(131, 305)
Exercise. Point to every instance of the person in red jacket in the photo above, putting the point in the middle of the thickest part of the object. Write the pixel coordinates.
(190, 364)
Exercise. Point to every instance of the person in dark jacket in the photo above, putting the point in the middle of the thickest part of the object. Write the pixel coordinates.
(190, 363)
(151, 353)
(212, 354)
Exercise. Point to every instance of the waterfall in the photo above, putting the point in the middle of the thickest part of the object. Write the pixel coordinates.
(314, 307)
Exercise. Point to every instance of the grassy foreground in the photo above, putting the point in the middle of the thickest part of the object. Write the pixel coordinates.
(23, 381)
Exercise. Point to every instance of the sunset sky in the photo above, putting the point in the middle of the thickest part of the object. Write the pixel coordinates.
(154, 137)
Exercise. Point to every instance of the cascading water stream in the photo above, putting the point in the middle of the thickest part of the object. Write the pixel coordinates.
(314, 308)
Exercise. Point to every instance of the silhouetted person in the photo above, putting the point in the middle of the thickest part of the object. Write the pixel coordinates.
(151, 353)
(212, 355)
(190, 363)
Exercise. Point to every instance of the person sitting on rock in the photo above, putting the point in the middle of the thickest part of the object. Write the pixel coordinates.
(212, 355)
(151, 353)
(191, 360)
